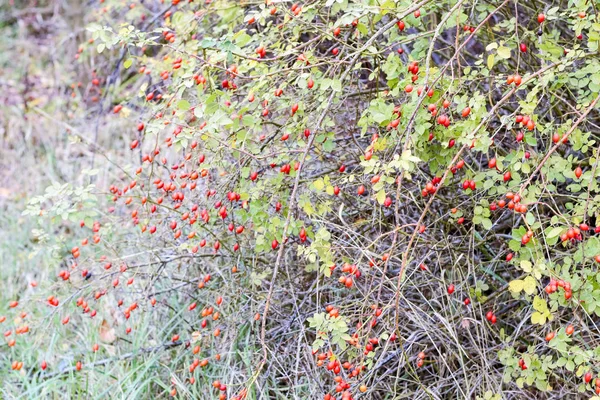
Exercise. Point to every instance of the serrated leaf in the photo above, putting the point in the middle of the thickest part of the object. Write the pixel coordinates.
(529, 285)
(526, 265)
(516, 286)
(537, 318)
(319, 184)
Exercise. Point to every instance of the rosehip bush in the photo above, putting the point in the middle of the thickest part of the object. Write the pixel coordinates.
(333, 199)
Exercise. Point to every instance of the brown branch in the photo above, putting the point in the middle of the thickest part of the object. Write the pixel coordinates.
(356, 57)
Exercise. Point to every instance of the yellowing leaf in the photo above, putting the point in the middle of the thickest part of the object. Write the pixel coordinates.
(539, 304)
(537, 318)
(516, 286)
(526, 265)
(196, 336)
(542, 313)
(529, 285)
(308, 208)
(319, 184)
(107, 333)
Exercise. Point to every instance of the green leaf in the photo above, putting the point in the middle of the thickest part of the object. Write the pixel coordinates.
(555, 232)
(530, 218)
(184, 105)
(570, 365)
(490, 61)
(336, 85)
(491, 46)
(380, 196)
(503, 52)
(514, 245)
(242, 38)
(486, 223)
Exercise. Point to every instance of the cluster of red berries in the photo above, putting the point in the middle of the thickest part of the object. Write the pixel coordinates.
(397, 113)
(413, 68)
(347, 279)
(431, 187)
(18, 331)
(525, 121)
(526, 237)
(587, 378)
(332, 311)
(336, 367)
(557, 138)
(490, 316)
(371, 344)
(346, 395)
(469, 184)
(16, 365)
(80, 303)
(554, 284)
(432, 108)
(52, 301)
(514, 203)
(169, 36)
(420, 359)
(459, 165)
(222, 388)
(444, 120)
(574, 234)
(516, 79)
(296, 9)
(199, 79)
(302, 235)
(226, 84)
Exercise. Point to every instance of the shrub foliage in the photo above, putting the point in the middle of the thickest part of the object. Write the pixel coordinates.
(336, 199)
